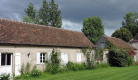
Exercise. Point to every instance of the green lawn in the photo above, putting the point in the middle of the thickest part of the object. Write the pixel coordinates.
(110, 73)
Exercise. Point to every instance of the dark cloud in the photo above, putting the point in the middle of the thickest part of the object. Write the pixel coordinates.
(74, 11)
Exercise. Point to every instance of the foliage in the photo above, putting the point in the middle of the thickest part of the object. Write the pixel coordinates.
(130, 61)
(75, 66)
(35, 72)
(118, 57)
(48, 14)
(123, 34)
(131, 53)
(102, 65)
(93, 28)
(109, 45)
(99, 54)
(30, 11)
(55, 18)
(90, 57)
(5, 76)
(62, 69)
(27, 68)
(110, 73)
(136, 63)
(131, 22)
(48, 67)
(55, 61)
(27, 19)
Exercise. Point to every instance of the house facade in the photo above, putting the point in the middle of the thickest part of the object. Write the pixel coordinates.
(134, 43)
(22, 42)
(103, 43)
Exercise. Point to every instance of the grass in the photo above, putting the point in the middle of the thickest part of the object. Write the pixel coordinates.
(110, 73)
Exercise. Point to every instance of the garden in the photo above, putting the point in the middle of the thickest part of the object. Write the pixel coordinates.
(120, 66)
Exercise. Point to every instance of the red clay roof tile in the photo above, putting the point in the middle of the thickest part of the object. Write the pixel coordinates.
(27, 33)
(119, 43)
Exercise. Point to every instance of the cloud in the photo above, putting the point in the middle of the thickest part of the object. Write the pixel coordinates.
(73, 12)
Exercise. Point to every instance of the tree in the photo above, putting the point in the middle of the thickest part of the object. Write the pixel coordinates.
(55, 18)
(123, 34)
(93, 28)
(27, 19)
(48, 14)
(30, 11)
(131, 22)
(44, 13)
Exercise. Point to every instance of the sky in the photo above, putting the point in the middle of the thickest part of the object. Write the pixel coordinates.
(73, 12)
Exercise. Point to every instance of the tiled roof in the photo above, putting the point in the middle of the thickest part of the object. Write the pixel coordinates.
(16, 32)
(135, 39)
(119, 43)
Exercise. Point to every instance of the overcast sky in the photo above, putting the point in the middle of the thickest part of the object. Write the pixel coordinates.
(73, 12)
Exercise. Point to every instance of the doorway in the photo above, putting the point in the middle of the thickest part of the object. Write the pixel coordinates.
(6, 63)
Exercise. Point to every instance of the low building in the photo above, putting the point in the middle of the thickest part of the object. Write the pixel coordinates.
(117, 42)
(22, 42)
(134, 43)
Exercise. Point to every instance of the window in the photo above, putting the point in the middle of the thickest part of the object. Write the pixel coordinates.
(40, 58)
(78, 57)
(5, 59)
(102, 44)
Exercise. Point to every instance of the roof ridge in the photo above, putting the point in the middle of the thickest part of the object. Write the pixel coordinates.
(39, 25)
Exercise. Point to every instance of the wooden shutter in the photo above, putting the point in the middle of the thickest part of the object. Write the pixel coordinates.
(49, 57)
(38, 58)
(62, 57)
(78, 56)
(17, 63)
(66, 57)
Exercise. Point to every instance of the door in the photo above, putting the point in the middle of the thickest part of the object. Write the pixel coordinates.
(6, 63)
(17, 63)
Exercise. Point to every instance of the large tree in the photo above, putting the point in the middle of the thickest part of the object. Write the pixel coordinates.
(93, 28)
(30, 11)
(131, 22)
(55, 18)
(123, 34)
(48, 14)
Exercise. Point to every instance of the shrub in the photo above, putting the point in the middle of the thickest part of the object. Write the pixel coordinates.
(136, 63)
(5, 76)
(35, 72)
(63, 68)
(55, 59)
(48, 67)
(54, 69)
(131, 53)
(101, 65)
(75, 66)
(130, 61)
(118, 57)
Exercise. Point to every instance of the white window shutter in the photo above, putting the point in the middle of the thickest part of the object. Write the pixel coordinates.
(66, 57)
(38, 58)
(17, 63)
(78, 56)
(62, 57)
(49, 57)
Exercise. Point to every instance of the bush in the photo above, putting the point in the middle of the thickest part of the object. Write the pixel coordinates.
(130, 61)
(75, 66)
(35, 72)
(118, 57)
(101, 65)
(5, 76)
(54, 69)
(48, 67)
